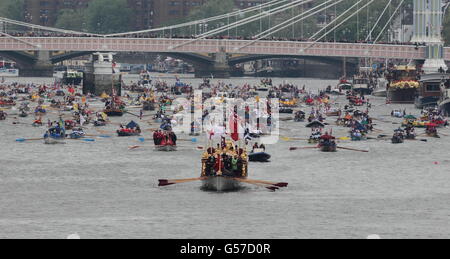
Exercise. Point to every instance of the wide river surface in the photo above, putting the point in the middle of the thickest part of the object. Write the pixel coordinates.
(103, 190)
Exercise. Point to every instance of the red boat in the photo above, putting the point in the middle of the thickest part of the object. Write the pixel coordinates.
(165, 141)
(128, 132)
(7, 103)
(310, 101)
(356, 101)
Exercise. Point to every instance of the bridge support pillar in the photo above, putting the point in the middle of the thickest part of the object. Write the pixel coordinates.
(427, 29)
(43, 67)
(99, 78)
(220, 68)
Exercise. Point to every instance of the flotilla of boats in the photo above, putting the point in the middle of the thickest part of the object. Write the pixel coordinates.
(225, 165)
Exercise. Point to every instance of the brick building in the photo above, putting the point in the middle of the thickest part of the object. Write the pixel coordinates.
(45, 12)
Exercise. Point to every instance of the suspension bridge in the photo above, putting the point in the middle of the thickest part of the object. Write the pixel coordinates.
(219, 45)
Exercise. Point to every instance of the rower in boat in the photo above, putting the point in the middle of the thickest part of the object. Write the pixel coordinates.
(398, 137)
(77, 133)
(315, 136)
(39, 111)
(259, 154)
(3, 115)
(165, 140)
(223, 166)
(299, 116)
(410, 132)
(69, 124)
(23, 114)
(100, 120)
(327, 143)
(431, 130)
(114, 107)
(357, 135)
(38, 122)
(55, 135)
(398, 113)
(131, 129)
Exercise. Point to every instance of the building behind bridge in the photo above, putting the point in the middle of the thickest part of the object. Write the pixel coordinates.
(147, 13)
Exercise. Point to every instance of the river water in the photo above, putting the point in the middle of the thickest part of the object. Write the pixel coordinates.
(103, 190)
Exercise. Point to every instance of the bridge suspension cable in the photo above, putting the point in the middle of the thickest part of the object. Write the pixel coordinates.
(45, 28)
(299, 18)
(389, 21)
(339, 24)
(335, 20)
(200, 21)
(246, 21)
(369, 35)
(257, 17)
(291, 22)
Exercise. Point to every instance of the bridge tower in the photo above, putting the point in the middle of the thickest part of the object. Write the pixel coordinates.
(428, 16)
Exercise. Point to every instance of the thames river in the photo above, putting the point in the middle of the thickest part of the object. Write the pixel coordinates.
(102, 190)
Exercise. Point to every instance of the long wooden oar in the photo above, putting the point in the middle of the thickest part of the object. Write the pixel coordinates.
(298, 148)
(270, 187)
(30, 139)
(100, 136)
(289, 139)
(281, 184)
(423, 140)
(133, 114)
(83, 139)
(165, 182)
(352, 149)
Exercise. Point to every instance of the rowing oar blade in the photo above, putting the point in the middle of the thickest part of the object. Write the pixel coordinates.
(297, 148)
(163, 182)
(281, 185)
(272, 188)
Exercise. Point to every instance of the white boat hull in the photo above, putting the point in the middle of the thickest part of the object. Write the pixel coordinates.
(221, 184)
(52, 141)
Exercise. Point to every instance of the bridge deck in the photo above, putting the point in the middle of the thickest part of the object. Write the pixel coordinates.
(213, 46)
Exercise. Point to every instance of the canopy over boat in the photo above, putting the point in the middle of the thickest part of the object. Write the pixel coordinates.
(315, 124)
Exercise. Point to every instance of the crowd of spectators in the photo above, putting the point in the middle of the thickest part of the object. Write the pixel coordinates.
(219, 37)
